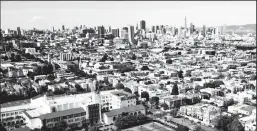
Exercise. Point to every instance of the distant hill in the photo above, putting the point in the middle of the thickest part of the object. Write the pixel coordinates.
(248, 28)
(239, 29)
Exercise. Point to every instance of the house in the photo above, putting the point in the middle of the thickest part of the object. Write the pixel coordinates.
(122, 99)
(110, 117)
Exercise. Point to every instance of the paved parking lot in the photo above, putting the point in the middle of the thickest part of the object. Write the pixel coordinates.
(153, 126)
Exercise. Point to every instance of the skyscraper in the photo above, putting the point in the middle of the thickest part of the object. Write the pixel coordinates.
(156, 28)
(63, 28)
(19, 31)
(203, 32)
(110, 29)
(123, 34)
(115, 32)
(131, 34)
(153, 29)
(101, 31)
(142, 25)
(192, 28)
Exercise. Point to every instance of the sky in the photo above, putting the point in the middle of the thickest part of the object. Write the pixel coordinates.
(117, 14)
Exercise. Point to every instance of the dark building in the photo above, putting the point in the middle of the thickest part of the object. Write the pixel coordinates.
(153, 28)
(19, 31)
(101, 31)
(15, 33)
(192, 28)
(94, 115)
(115, 32)
(203, 32)
(156, 28)
(63, 28)
(142, 25)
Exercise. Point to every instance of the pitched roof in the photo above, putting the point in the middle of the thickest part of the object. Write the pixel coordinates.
(62, 113)
(125, 109)
(15, 103)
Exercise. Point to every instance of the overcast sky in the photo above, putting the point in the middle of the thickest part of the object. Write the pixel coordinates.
(43, 14)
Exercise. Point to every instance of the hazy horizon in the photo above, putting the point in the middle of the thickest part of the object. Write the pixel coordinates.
(117, 14)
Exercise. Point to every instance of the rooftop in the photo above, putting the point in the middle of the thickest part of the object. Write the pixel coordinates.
(15, 103)
(62, 113)
(125, 109)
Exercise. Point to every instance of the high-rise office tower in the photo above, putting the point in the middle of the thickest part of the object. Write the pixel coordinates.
(123, 34)
(142, 25)
(52, 29)
(101, 31)
(156, 28)
(63, 28)
(131, 34)
(185, 22)
(115, 32)
(137, 27)
(19, 31)
(110, 29)
(192, 28)
(203, 32)
(153, 29)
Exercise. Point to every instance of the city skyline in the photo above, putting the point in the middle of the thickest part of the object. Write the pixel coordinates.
(43, 15)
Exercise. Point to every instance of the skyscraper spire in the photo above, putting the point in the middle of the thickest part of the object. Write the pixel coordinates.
(185, 22)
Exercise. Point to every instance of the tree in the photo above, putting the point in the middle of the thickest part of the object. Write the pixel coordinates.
(175, 90)
(145, 95)
(12, 57)
(127, 90)
(2, 128)
(180, 74)
(17, 58)
(223, 122)
(182, 128)
(169, 61)
(197, 128)
(134, 57)
(235, 125)
(145, 68)
(104, 58)
(43, 89)
(5, 57)
(85, 125)
(229, 102)
(79, 88)
(51, 77)
(119, 86)
(154, 100)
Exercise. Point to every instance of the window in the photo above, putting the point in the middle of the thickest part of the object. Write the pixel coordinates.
(3, 115)
(12, 114)
(71, 120)
(77, 119)
(76, 115)
(16, 113)
(7, 114)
